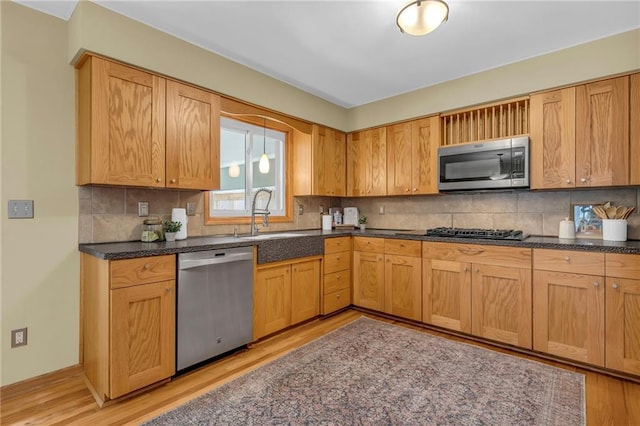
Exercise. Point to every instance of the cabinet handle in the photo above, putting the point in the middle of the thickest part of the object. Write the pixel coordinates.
(158, 180)
(147, 266)
(338, 277)
(168, 289)
(471, 251)
(567, 258)
(338, 296)
(568, 180)
(614, 286)
(583, 180)
(477, 270)
(465, 269)
(415, 189)
(337, 257)
(596, 284)
(173, 181)
(406, 190)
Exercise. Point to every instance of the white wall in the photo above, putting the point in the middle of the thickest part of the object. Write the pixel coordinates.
(39, 256)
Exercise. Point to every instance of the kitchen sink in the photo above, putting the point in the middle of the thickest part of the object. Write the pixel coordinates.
(270, 236)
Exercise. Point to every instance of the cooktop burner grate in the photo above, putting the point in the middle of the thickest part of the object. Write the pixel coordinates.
(489, 234)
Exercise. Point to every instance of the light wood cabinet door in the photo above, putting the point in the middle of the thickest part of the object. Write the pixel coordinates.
(602, 129)
(328, 161)
(501, 304)
(367, 162)
(271, 300)
(553, 139)
(368, 280)
(403, 286)
(568, 315)
(399, 152)
(634, 129)
(425, 137)
(305, 290)
(121, 125)
(446, 297)
(623, 324)
(193, 138)
(142, 337)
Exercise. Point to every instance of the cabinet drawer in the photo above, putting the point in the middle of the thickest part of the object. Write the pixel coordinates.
(514, 257)
(368, 244)
(336, 300)
(623, 265)
(403, 247)
(340, 280)
(142, 270)
(577, 262)
(334, 245)
(337, 262)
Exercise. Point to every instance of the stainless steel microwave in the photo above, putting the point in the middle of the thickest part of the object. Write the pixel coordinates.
(488, 165)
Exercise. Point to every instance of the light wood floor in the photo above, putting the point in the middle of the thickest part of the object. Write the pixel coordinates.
(64, 399)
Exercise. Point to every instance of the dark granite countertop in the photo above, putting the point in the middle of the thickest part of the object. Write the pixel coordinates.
(311, 242)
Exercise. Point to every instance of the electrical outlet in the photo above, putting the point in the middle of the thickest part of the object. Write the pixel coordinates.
(20, 209)
(300, 209)
(143, 208)
(321, 209)
(19, 337)
(191, 208)
(381, 211)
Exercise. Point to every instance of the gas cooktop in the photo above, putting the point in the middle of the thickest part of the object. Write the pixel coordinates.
(489, 234)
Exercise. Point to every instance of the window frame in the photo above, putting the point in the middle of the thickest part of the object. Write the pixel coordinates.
(271, 124)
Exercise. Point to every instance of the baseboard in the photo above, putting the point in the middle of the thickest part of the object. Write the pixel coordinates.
(29, 385)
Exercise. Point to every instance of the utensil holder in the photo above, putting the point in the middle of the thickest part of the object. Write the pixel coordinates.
(614, 229)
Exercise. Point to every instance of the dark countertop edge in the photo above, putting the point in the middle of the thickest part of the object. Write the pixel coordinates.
(133, 249)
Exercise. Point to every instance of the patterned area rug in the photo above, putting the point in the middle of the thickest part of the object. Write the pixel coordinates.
(373, 373)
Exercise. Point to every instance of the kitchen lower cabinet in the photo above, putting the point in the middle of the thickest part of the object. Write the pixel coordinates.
(477, 289)
(387, 276)
(622, 295)
(569, 304)
(285, 293)
(368, 273)
(336, 283)
(127, 323)
(403, 278)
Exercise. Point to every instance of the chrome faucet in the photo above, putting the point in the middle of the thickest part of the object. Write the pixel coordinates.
(264, 212)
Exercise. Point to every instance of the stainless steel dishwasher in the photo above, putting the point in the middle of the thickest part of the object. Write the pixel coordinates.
(215, 303)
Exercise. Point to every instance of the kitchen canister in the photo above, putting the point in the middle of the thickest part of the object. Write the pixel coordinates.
(326, 222)
(614, 229)
(567, 229)
(180, 215)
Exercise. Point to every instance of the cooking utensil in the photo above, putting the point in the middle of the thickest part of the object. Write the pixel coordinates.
(599, 211)
(628, 212)
(611, 212)
(620, 211)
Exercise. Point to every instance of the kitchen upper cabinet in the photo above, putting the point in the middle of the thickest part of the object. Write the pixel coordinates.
(135, 128)
(634, 128)
(568, 304)
(622, 295)
(285, 293)
(121, 125)
(193, 138)
(367, 163)
(320, 162)
(602, 133)
(553, 139)
(580, 136)
(415, 144)
(478, 289)
(128, 323)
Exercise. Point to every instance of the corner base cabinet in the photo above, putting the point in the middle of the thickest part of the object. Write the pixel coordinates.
(127, 322)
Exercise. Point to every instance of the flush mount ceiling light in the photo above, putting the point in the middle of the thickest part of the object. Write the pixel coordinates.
(420, 17)
(263, 165)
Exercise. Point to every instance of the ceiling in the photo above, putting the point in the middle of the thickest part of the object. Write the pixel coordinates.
(351, 52)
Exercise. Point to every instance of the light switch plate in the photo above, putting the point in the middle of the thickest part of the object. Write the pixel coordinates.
(20, 209)
(143, 208)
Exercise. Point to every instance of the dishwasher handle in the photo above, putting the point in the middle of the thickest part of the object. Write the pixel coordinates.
(215, 260)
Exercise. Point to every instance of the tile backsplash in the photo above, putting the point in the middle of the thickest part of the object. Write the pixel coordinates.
(111, 214)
